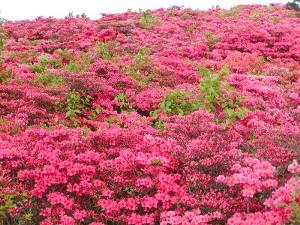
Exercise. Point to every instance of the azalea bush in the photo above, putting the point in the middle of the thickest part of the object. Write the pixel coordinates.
(169, 116)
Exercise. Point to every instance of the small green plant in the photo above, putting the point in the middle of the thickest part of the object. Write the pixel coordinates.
(159, 124)
(79, 65)
(65, 55)
(210, 87)
(186, 15)
(178, 103)
(123, 101)
(45, 125)
(211, 39)
(190, 28)
(1, 42)
(128, 191)
(156, 162)
(213, 88)
(141, 69)
(111, 120)
(103, 49)
(258, 65)
(147, 20)
(294, 208)
(94, 113)
(3, 36)
(44, 63)
(9, 201)
(275, 19)
(255, 15)
(47, 79)
(5, 75)
(73, 66)
(37, 68)
(142, 58)
(75, 104)
(233, 12)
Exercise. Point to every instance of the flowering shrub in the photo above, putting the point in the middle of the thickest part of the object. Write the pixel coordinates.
(170, 116)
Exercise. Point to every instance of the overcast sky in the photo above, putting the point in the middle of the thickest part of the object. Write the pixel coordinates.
(30, 9)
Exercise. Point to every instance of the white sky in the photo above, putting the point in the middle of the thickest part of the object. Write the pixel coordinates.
(30, 9)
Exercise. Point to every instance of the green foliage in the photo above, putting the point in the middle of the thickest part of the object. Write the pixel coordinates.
(210, 87)
(275, 19)
(294, 208)
(45, 125)
(9, 201)
(213, 88)
(177, 103)
(159, 124)
(1, 42)
(5, 75)
(156, 162)
(47, 79)
(111, 120)
(79, 65)
(65, 55)
(37, 68)
(35, 42)
(233, 112)
(94, 113)
(147, 20)
(44, 63)
(75, 104)
(233, 12)
(142, 58)
(202, 70)
(123, 101)
(211, 39)
(128, 191)
(190, 28)
(186, 15)
(141, 65)
(3, 36)
(258, 65)
(133, 73)
(256, 14)
(103, 49)
(73, 66)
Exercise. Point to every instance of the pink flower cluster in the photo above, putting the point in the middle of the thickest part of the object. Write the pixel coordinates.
(86, 133)
(254, 176)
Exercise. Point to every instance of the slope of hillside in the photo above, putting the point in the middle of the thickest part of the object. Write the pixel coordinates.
(164, 117)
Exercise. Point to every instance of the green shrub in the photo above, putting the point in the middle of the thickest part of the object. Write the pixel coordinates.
(73, 66)
(233, 12)
(65, 55)
(211, 39)
(255, 15)
(104, 49)
(141, 69)
(142, 58)
(75, 104)
(44, 63)
(213, 88)
(123, 101)
(147, 20)
(294, 208)
(5, 75)
(177, 103)
(8, 201)
(47, 79)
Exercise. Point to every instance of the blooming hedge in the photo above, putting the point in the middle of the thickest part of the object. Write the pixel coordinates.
(171, 116)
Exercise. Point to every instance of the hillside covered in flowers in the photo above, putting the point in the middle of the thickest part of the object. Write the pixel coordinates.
(173, 117)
